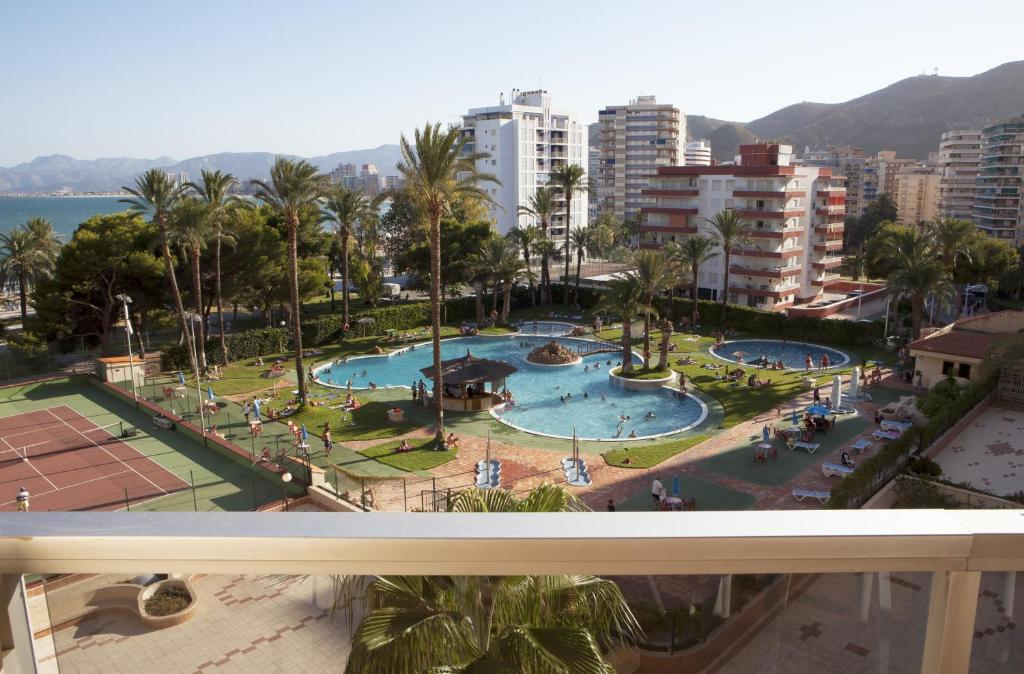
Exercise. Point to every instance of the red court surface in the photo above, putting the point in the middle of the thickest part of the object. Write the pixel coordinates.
(69, 463)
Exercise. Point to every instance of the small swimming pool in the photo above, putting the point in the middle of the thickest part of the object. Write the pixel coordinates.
(792, 354)
(595, 405)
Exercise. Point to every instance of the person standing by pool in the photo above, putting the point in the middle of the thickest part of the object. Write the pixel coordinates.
(656, 488)
(808, 362)
(414, 391)
(817, 395)
(247, 410)
(328, 441)
(825, 362)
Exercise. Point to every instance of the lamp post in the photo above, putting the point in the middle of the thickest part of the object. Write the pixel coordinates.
(125, 301)
(285, 479)
(199, 390)
(280, 339)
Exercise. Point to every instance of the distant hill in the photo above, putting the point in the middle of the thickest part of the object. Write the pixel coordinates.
(60, 172)
(908, 116)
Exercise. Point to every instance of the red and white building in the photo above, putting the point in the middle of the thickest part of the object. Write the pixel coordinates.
(796, 215)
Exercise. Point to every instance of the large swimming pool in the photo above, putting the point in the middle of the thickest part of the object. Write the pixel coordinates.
(596, 406)
(792, 354)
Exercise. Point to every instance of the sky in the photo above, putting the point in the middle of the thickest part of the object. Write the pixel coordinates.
(110, 78)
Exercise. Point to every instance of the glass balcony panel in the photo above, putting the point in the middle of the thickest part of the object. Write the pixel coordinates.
(998, 647)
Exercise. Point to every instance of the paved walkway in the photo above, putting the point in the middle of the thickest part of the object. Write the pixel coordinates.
(988, 454)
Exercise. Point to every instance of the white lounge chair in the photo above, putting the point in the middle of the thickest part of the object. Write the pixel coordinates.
(801, 494)
(899, 426)
(836, 470)
(809, 446)
(861, 445)
(886, 435)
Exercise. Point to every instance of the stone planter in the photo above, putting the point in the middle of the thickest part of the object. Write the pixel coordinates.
(642, 384)
(163, 621)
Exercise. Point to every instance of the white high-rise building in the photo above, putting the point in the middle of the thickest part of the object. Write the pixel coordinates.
(635, 140)
(698, 153)
(526, 140)
(959, 158)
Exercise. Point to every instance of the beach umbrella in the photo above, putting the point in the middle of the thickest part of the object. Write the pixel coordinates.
(675, 485)
(181, 378)
(837, 392)
(209, 392)
(817, 410)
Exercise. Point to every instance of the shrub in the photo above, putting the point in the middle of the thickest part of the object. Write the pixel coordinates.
(922, 465)
(241, 346)
(940, 395)
(29, 349)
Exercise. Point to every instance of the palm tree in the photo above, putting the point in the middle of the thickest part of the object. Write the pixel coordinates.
(689, 254)
(437, 171)
(666, 339)
(511, 269)
(345, 208)
(917, 270)
(214, 191)
(156, 194)
(542, 206)
(493, 623)
(20, 260)
(568, 179)
(654, 273)
(950, 237)
(624, 299)
(190, 228)
(45, 239)
(293, 186)
(526, 239)
(583, 240)
(548, 252)
(486, 262)
(732, 232)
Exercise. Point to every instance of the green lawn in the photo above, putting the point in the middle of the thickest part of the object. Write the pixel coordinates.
(497, 330)
(651, 455)
(710, 496)
(641, 373)
(369, 422)
(423, 456)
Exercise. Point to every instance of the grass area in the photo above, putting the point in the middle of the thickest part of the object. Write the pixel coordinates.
(642, 374)
(422, 456)
(710, 496)
(497, 330)
(369, 422)
(651, 455)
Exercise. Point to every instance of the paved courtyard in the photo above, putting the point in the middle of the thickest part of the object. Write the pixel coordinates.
(989, 454)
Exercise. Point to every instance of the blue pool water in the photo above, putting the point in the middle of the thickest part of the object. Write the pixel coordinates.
(792, 354)
(545, 328)
(536, 389)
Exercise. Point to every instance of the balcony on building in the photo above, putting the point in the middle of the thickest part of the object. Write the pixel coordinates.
(765, 271)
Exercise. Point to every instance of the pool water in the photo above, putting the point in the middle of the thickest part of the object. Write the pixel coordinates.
(536, 389)
(792, 354)
(545, 328)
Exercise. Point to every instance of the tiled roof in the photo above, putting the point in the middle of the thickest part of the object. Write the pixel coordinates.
(957, 343)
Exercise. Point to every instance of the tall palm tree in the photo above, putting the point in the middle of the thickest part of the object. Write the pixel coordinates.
(624, 299)
(190, 228)
(44, 238)
(653, 272)
(548, 252)
(21, 261)
(732, 232)
(214, 191)
(569, 179)
(917, 270)
(486, 262)
(584, 241)
(345, 207)
(688, 255)
(511, 269)
(950, 238)
(542, 206)
(156, 194)
(437, 171)
(293, 186)
(526, 239)
(495, 624)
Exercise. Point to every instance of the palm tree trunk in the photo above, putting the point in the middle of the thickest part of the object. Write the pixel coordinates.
(344, 275)
(725, 286)
(916, 314)
(506, 300)
(23, 296)
(579, 263)
(293, 291)
(545, 280)
(479, 294)
(568, 255)
(197, 293)
(220, 299)
(494, 305)
(627, 345)
(647, 339)
(693, 298)
(173, 281)
(666, 336)
(435, 321)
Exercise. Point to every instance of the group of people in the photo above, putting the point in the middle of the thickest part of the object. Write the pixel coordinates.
(823, 364)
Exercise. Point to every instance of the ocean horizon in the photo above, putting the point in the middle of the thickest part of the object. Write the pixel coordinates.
(66, 213)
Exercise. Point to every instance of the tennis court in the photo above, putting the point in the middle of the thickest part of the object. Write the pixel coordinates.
(67, 462)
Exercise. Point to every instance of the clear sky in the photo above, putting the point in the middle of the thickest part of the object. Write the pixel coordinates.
(102, 78)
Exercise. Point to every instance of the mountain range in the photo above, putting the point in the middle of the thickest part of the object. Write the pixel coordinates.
(908, 116)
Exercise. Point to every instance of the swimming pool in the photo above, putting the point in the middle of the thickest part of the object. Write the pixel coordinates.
(545, 328)
(792, 354)
(593, 404)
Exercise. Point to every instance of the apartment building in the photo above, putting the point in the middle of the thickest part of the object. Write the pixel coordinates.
(997, 206)
(959, 158)
(880, 176)
(796, 213)
(526, 139)
(917, 193)
(698, 152)
(635, 140)
(842, 160)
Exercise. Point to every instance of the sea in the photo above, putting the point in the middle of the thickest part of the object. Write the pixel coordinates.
(66, 213)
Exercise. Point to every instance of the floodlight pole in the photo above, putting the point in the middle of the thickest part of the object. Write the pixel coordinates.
(199, 388)
(125, 300)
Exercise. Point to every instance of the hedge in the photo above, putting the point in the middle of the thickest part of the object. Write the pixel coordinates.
(875, 471)
(241, 346)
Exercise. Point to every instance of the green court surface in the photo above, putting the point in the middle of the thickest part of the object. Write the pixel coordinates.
(220, 483)
(710, 496)
(738, 461)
